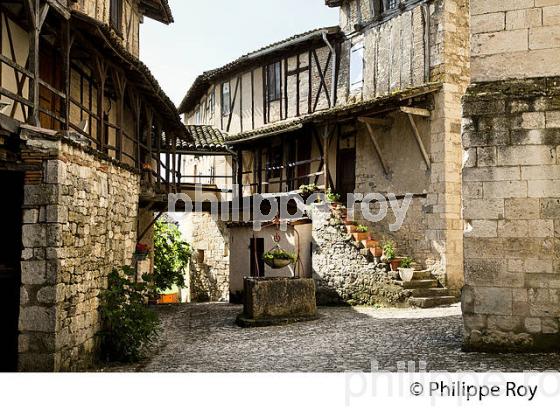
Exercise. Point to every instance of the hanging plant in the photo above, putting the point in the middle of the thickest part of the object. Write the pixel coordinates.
(279, 258)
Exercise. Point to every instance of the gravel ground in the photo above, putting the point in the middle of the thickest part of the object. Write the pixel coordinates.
(204, 338)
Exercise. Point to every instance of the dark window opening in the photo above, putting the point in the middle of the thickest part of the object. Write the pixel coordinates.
(274, 81)
(275, 160)
(256, 247)
(116, 12)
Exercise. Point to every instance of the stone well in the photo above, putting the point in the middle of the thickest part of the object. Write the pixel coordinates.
(277, 301)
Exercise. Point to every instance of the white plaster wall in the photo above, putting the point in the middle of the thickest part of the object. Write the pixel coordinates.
(240, 239)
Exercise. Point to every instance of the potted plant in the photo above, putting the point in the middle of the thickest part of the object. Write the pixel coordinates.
(406, 272)
(142, 251)
(389, 255)
(279, 258)
(333, 199)
(361, 233)
(307, 190)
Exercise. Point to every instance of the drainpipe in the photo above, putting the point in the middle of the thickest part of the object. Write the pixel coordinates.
(334, 71)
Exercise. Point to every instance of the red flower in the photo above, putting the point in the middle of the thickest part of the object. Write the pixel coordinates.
(142, 248)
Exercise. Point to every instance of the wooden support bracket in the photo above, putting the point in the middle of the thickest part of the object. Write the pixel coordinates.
(419, 140)
(377, 148)
(421, 112)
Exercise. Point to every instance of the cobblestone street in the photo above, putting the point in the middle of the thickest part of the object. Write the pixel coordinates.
(204, 338)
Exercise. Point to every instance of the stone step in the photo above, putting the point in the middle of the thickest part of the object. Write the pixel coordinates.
(430, 302)
(422, 274)
(418, 284)
(430, 292)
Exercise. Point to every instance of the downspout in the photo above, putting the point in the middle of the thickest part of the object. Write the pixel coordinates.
(334, 69)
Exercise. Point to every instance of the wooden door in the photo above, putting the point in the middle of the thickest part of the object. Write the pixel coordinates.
(50, 71)
(10, 272)
(346, 172)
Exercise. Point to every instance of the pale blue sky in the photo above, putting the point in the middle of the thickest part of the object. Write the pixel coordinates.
(210, 33)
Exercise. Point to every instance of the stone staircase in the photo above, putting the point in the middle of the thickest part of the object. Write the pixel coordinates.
(425, 289)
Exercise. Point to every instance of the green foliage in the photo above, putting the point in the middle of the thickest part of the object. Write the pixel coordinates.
(129, 325)
(407, 263)
(332, 197)
(171, 256)
(362, 229)
(308, 189)
(279, 254)
(389, 250)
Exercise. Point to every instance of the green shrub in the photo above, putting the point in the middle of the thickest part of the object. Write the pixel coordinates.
(362, 229)
(279, 254)
(129, 325)
(171, 256)
(332, 197)
(389, 250)
(407, 263)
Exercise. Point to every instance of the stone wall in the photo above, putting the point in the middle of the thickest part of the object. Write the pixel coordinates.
(511, 191)
(342, 274)
(515, 39)
(79, 223)
(210, 267)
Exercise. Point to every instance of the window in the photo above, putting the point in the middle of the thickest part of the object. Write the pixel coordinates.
(226, 99)
(273, 80)
(197, 117)
(391, 4)
(116, 12)
(357, 67)
(275, 159)
(210, 104)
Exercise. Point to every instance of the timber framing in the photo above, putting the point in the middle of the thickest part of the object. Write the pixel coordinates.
(90, 88)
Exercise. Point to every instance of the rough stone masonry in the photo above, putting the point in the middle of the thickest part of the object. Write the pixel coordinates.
(80, 215)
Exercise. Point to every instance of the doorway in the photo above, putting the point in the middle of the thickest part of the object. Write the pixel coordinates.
(346, 172)
(10, 271)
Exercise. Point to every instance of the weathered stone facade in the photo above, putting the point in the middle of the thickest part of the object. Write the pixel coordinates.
(511, 203)
(209, 268)
(342, 274)
(79, 223)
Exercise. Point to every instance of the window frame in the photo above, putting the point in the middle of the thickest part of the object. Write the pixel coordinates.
(357, 47)
(274, 84)
(211, 104)
(117, 24)
(225, 112)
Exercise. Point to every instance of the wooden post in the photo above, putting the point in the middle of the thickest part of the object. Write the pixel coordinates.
(67, 45)
(326, 144)
(240, 174)
(101, 71)
(38, 15)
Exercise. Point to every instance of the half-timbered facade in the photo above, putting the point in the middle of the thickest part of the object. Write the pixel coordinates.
(372, 105)
(84, 132)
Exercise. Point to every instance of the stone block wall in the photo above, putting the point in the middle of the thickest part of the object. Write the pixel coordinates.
(515, 39)
(80, 215)
(210, 266)
(511, 200)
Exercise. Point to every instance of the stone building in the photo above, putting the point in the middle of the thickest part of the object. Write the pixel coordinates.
(454, 101)
(511, 177)
(83, 130)
(371, 105)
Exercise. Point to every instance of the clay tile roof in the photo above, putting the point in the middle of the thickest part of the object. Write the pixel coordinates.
(205, 137)
(205, 80)
(158, 10)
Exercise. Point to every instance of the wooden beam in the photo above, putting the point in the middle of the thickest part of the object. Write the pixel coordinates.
(377, 148)
(381, 122)
(421, 112)
(419, 141)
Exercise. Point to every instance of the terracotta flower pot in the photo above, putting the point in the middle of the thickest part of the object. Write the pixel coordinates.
(360, 236)
(395, 263)
(377, 251)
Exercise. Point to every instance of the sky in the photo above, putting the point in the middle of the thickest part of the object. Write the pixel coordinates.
(210, 33)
